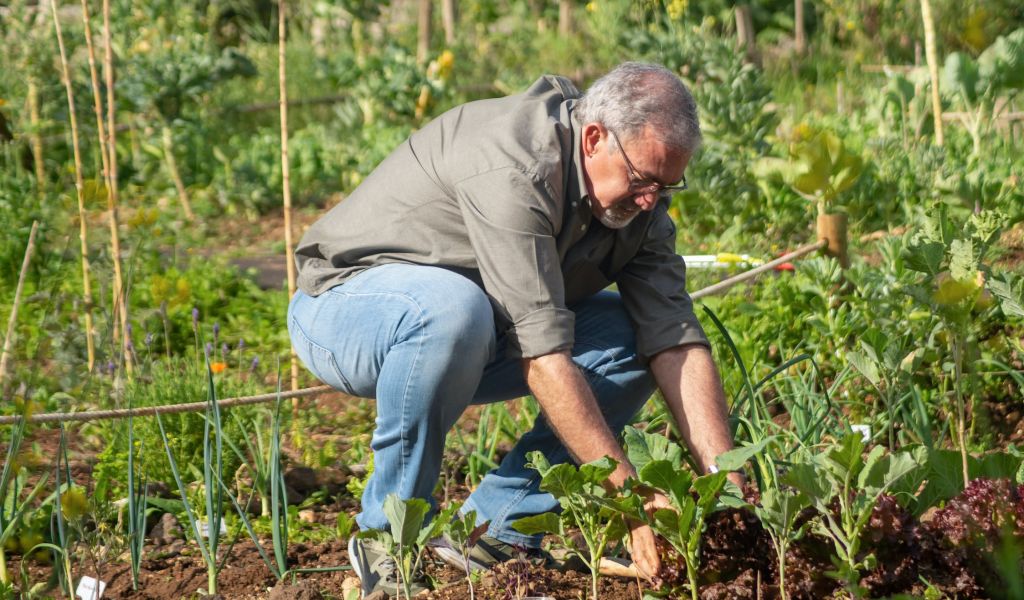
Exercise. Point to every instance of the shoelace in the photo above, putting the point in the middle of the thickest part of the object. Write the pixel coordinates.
(385, 566)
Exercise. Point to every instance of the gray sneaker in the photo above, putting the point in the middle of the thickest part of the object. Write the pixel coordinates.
(487, 553)
(377, 571)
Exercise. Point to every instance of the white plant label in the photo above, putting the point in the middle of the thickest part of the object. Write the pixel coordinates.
(90, 589)
(863, 430)
(204, 528)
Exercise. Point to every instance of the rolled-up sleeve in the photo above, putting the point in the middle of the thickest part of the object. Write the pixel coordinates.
(653, 289)
(511, 217)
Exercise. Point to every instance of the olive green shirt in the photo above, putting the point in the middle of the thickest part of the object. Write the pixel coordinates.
(494, 190)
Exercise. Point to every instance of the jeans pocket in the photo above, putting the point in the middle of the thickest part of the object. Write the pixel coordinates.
(318, 359)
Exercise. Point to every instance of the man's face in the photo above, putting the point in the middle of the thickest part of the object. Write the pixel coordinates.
(626, 178)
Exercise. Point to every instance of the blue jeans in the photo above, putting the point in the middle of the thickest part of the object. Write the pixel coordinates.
(422, 341)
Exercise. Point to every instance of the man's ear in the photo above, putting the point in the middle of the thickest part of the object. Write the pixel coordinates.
(593, 134)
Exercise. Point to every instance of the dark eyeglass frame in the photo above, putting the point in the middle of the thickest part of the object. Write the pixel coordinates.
(639, 184)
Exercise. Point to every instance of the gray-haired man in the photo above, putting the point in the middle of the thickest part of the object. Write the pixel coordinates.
(469, 267)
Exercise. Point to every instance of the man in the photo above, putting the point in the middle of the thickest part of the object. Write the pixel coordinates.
(469, 268)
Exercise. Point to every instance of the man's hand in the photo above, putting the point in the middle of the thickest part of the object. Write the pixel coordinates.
(644, 549)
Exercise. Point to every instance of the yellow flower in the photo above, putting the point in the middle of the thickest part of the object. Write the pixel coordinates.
(73, 503)
(445, 64)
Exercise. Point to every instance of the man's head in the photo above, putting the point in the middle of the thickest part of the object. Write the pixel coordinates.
(639, 128)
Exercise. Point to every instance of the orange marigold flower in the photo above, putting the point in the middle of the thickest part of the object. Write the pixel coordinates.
(218, 367)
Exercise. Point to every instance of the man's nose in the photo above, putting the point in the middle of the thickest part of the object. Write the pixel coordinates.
(646, 201)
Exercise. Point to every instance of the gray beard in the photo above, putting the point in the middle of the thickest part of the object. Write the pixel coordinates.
(618, 216)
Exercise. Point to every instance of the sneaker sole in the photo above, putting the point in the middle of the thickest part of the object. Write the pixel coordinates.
(356, 561)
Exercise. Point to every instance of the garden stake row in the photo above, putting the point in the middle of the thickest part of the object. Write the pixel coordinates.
(80, 191)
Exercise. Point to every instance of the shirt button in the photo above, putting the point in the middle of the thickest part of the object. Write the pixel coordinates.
(583, 227)
(574, 204)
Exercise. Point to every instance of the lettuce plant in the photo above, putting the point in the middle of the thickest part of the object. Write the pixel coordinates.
(844, 486)
(585, 505)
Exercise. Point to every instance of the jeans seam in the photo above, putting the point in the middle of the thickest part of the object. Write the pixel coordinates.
(408, 380)
(502, 516)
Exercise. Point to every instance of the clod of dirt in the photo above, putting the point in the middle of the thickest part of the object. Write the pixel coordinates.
(303, 590)
(166, 531)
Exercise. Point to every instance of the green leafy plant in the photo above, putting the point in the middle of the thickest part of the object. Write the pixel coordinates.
(844, 486)
(13, 507)
(952, 258)
(586, 505)
(410, 531)
(818, 166)
(463, 532)
(980, 85)
(693, 499)
(213, 486)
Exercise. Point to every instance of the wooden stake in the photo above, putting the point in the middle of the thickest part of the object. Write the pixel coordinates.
(832, 229)
(286, 176)
(80, 189)
(36, 138)
(450, 20)
(931, 57)
(799, 31)
(9, 338)
(119, 304)
(426, 10)
(566, 24)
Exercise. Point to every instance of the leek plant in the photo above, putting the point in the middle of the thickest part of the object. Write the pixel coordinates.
(137, 493)
(63, 507)
(213, 455)
(12, 506)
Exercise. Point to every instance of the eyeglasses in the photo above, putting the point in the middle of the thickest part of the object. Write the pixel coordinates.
(640, 185)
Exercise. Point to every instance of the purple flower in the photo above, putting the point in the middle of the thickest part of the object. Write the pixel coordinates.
(111, 367)
(209, 349)
(128, 329)
(216, 332)
(149, 339)
(255, 364)
(241, 345)
(224, 349)
(195, 318)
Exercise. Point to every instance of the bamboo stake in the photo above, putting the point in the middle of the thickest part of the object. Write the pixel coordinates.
(450, 20)
(286, 177)
(36, 138)
(933, 68)
(424, 17)
(80, 189)
(9, 338)
(120, 306)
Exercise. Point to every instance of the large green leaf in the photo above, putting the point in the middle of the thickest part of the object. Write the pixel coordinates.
(597, 472)
(960, 75)
(809, 480)
(537, 524)
(865, 365)
(735, 459)
(643, 447)
(406, 517)
(562, 481)
(926, 257)
(662, 475)
(708, 487)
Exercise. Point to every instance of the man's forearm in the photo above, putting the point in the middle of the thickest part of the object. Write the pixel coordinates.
(693, 391)
(572, 412)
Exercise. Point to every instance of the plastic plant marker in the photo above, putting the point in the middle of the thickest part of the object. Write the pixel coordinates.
(864, 431)
(90, 588)
(204, 528)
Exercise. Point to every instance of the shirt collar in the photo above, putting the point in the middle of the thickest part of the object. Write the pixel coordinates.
(577, 184)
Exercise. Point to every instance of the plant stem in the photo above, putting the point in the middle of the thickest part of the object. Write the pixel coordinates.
(172, 167)
(80, 190)
(961, 417)
(35, 137)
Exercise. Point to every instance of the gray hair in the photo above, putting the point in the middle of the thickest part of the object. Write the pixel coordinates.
(634, 95)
